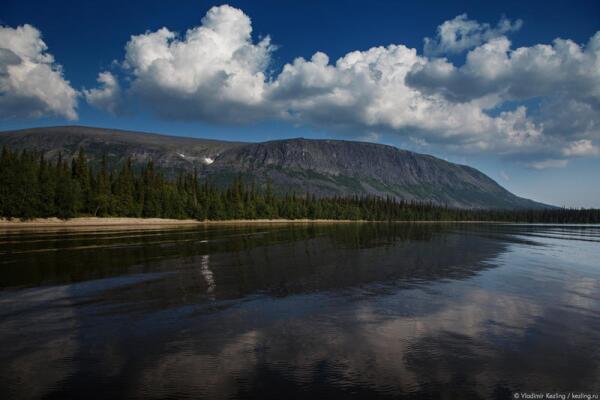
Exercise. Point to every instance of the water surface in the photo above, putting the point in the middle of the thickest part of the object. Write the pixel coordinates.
(300, 311)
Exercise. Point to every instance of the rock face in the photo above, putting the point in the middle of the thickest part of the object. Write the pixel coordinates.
(322, 167)
(169, 152)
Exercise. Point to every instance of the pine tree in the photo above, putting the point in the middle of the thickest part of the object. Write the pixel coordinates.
(67, 195)
(47, 189)
(32, 187)
(101, 197)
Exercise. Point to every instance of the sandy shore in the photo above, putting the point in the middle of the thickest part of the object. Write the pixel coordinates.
(96, 224)
(146, 222)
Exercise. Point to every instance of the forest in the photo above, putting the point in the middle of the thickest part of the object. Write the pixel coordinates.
(32, 187)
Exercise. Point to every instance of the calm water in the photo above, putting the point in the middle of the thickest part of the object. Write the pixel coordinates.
(339, 311)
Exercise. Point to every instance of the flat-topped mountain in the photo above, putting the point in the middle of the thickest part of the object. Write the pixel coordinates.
(321, 167)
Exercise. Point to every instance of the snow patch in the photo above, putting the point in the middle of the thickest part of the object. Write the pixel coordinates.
(208, 160)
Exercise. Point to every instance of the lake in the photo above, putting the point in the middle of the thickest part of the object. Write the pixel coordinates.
(365, 310)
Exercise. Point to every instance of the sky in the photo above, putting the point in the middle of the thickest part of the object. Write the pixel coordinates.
(510, 88)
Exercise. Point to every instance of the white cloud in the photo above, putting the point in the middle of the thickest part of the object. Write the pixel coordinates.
(217, 72)
(549, 163)
(108, 96)
(31, 82)
(461, 33)
(367, 90)
(214, 72)
(581, 147)
(494, 69)
(504, 176)
(563, 77)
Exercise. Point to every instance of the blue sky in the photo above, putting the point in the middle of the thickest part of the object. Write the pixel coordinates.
(493, 89)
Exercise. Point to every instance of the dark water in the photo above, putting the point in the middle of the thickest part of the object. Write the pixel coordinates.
(338, 311)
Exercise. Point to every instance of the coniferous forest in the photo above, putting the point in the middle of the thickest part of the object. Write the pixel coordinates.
(32, 187)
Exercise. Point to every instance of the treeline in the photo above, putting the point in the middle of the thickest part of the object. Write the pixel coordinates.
(33, 187)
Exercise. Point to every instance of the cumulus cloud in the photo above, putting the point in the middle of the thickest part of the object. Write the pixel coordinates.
(214, 72)
(31, 82)
(583, 147)
(549, 163)
(564, 76)
(367, 90)
(493, 69)
(461, 33)
(218, 72)
(108, 96)
(564, 117)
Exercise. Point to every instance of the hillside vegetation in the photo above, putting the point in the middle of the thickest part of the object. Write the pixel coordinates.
(324, 168)
(33, 187)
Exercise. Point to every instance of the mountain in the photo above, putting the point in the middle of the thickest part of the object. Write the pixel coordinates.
(322, 167)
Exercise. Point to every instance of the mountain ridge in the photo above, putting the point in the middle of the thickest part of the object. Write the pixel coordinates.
(324, 167)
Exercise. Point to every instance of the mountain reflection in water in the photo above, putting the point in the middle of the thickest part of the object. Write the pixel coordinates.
(335, 311)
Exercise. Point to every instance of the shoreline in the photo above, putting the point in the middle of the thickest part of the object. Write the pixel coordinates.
(92, 221)
(157, 222)
(124, 223)
(150, 222)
